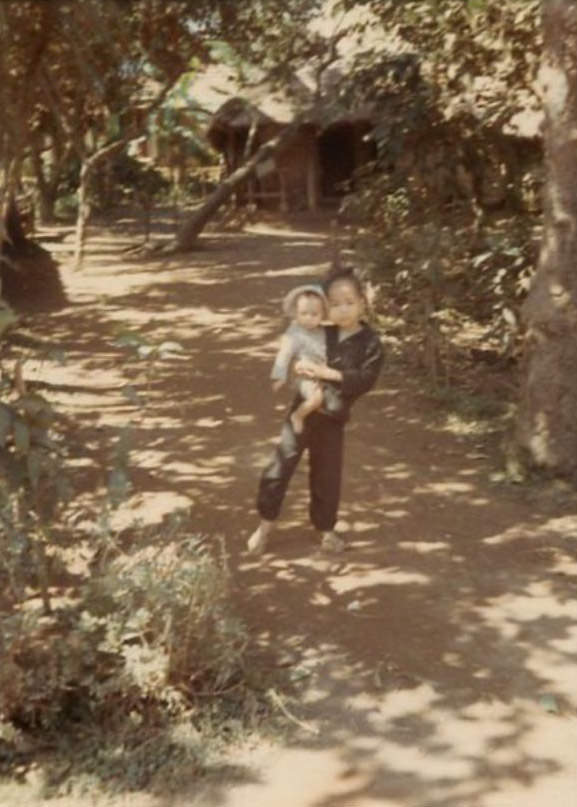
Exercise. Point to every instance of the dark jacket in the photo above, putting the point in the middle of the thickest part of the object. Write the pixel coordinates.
(359, 358)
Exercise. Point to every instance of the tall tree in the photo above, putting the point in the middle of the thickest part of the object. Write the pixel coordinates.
(548, 412)
(80, 77)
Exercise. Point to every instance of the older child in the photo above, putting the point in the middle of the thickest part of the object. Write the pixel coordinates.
(354, 360)
(303, 339)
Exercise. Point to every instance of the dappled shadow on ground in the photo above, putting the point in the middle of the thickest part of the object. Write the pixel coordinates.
(436, 656)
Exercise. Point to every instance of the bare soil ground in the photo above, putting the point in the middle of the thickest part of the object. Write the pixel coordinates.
(438, 654)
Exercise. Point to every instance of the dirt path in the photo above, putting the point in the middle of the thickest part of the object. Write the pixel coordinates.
(439, 653)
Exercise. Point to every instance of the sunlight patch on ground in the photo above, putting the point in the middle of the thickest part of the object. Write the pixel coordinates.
(344, 525)
(189, 472)
(148, 458)
(378, 577)
(509, 613)
(566, 525)
(310, 239)
(77, 375)
(564, 565)
(194, 316)
(544, 627)
(207, 423)
(460, 427)
(396, 514)
(157, 423)
(316, 270)
(444, 488)
(513, 534)
(397, 471)
(424, 547)
(148, 508)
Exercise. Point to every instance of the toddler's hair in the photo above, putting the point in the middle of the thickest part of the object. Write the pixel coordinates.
(310, 291)
(348, 273)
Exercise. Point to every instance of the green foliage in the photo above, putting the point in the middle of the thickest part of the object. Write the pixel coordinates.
(482, 54)
(128, 180)
(33, 489)
(153, 626)
(137, 635)
(76, 77)
(446, 216)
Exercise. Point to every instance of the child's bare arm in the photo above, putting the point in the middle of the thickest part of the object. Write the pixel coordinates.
(312, 369)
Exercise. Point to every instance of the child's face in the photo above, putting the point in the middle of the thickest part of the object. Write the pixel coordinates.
(309, 312)
(346, 306)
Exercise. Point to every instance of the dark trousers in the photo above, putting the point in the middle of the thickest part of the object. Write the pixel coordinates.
(323, 438)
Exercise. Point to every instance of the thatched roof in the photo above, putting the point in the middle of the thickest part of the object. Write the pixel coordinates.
(236, 99)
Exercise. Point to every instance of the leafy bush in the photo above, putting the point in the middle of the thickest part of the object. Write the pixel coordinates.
(154, 627)
(127, 180)
(136, 631)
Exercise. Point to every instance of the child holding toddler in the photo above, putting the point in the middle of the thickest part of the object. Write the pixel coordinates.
(349, 368)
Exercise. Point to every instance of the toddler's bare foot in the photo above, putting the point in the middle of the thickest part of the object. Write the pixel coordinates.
(297, 423)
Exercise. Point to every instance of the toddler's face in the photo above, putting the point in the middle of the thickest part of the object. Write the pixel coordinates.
(309, 312)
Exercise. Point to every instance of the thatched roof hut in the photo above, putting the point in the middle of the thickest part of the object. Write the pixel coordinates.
(333, 139)
(315, 167)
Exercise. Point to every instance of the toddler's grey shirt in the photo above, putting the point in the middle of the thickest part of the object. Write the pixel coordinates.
(299, 343)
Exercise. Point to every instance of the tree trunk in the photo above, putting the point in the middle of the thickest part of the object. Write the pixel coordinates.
(29, 277)
(48, 178)
(547, 424)
(197, 221)
(87, 168)
(82, 214)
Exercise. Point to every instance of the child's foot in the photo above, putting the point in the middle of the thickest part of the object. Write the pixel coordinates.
(258, 541)
(297, 422)
(332, 543)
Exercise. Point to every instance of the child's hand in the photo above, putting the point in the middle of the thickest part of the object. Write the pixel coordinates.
(307, 368)
(320, 372)
(276, 385)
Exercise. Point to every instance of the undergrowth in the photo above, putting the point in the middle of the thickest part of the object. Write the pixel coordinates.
(130, 670)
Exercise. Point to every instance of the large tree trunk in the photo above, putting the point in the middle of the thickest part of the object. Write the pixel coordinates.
(547, 425)
(29, 277)
(197, 221)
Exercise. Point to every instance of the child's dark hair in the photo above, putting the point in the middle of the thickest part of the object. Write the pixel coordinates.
(347, 273)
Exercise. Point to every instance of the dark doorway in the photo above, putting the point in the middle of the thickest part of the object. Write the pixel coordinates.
(343, 148)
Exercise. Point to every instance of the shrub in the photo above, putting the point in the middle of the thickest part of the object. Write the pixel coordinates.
(155, 626)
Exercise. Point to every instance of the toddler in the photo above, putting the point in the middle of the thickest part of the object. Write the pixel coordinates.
(303, 339)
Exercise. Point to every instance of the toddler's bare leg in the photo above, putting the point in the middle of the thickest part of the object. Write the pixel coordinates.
(310, 404)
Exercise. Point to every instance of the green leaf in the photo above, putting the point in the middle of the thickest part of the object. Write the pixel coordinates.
(7, 318)
(550, 704)
(34, 465)
(118, 486)
(131, 395)
(21, 436)
(56, 355)
(128, 339)
(34, 405)
(6, 417)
